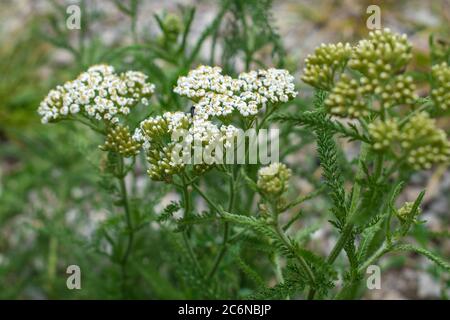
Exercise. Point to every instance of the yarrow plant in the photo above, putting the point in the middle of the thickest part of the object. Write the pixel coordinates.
(99, 98)
(379, 87)
(216, 95)
(216, 99)
(363, 93)
(98, 94)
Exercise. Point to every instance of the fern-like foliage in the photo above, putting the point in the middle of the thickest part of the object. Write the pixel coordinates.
(428, 254)
(169, 211)
(328, 156)
(260, 226)
(291, 285)
(250, 28)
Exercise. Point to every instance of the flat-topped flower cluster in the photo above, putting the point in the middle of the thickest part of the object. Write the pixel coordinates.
(218, 95)
(418, 140)
(100, 96)
(99, 93)
(368, 81)
(169, 141)
(379, 62)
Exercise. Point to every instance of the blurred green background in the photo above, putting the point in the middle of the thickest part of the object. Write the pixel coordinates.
(51, 204)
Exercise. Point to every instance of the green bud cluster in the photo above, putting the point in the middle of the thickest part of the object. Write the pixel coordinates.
(119, 140)
(381, 56)
(384, 134)
(440, 93)
(159, 127)
(418, 140)
(171, 27)
(423, 142)
(321, 67)
(405, 213)
(161, 165)
(400, 91)
(155, 133)
(273, 179)
(374, 81)
(347, 99)
(370, 81)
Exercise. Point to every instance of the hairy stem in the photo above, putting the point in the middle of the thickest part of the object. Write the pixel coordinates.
(380, 252)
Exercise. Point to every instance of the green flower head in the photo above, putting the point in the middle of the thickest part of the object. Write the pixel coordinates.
(371, 77)
(424, 144)
(273, 179)
(440, 93)
(384, 133)
(348, 99)
(381, 56)
(405, 213)
(119, 140)
(322, 66)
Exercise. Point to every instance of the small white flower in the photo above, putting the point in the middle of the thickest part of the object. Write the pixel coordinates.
(99, 92)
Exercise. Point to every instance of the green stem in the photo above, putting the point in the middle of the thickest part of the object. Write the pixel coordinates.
(380, 252)
(124, 195)
(191, 251)
(345, 235)
(221, 252)
(266, 116)
(302, 199)
(187, 213)
(224, 247)
(207, 199)
(303, 265)
(300, 260)
(378, 166)
(51, 263)
(423, 107)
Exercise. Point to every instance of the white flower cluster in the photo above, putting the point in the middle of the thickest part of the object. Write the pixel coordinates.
(99, 93)
(208, 134)
(215, 94)
(204, 79)
(170, 139)
(263, 86)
